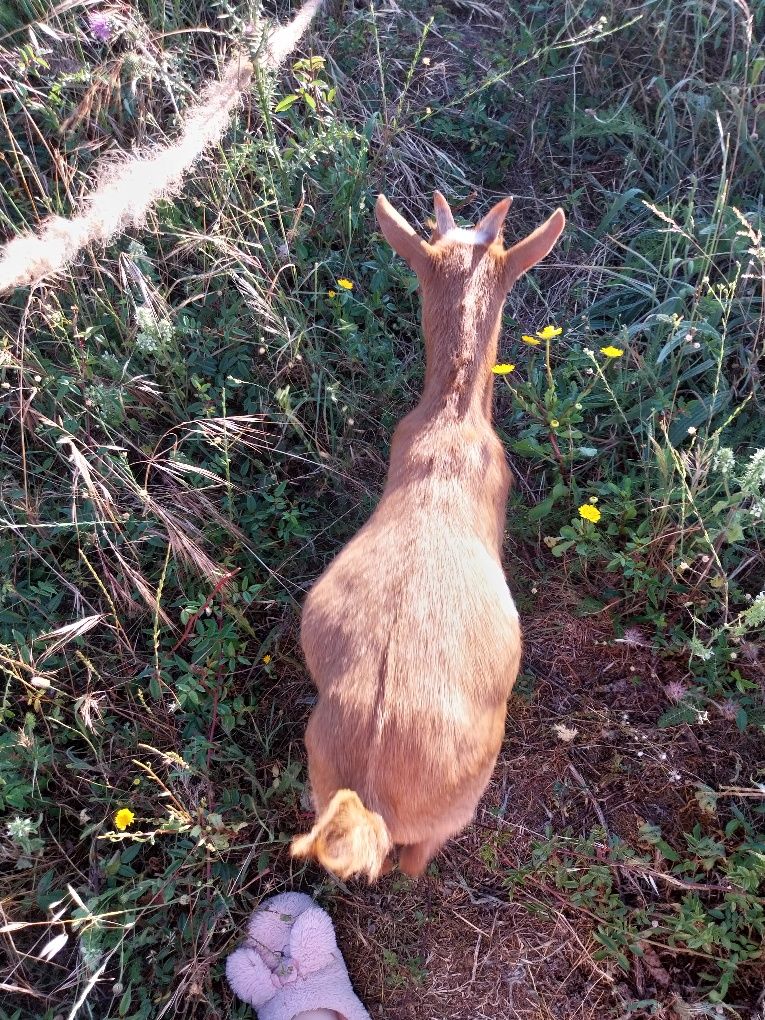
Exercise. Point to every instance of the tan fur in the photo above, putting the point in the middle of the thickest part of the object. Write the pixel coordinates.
(411, 634)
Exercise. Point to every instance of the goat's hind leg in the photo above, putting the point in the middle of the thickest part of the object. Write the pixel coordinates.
(415, 857)
(387, 866)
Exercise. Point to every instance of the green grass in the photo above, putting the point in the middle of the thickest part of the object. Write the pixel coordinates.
(192, 404)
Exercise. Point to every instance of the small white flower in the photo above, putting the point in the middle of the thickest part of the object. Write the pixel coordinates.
(565, 733)
(20, 828)
(754, 615)
(753, 477)
(691, 430)
(147, 343)
(724, 461)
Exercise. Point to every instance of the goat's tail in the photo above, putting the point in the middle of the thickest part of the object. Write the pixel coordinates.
(347, 839)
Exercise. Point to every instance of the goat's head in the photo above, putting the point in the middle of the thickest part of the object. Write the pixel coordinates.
(461, 269)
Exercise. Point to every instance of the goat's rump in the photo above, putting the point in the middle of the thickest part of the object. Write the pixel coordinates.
(429, 618)
(422, 772)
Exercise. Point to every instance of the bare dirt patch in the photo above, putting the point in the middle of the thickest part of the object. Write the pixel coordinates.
(465, 943)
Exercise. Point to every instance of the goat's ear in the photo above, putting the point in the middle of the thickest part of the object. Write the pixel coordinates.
(444, 218)
(488, 229)
(402, 238)
(532, 249)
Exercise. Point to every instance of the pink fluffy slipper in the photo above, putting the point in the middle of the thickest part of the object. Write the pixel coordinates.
(290, 967)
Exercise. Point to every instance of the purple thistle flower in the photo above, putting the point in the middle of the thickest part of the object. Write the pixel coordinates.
(729, 709)
(101, 27)
(675, 691)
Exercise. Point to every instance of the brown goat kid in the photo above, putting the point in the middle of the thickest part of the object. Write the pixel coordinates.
(411, 634)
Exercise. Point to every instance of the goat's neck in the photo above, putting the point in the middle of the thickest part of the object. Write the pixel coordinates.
(459, 357)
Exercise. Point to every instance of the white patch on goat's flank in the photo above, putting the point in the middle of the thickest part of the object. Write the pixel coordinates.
(454, 705)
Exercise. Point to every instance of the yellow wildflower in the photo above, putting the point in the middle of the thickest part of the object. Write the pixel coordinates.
(549, 332)
(590, 513)
(345, 284)
(533, 341)
(123, 818)
(554, 423)
(611, 351)
(503, 369)
(332, 293)
(266, 659)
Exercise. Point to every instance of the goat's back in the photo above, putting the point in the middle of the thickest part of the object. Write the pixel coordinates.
(413, 641)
